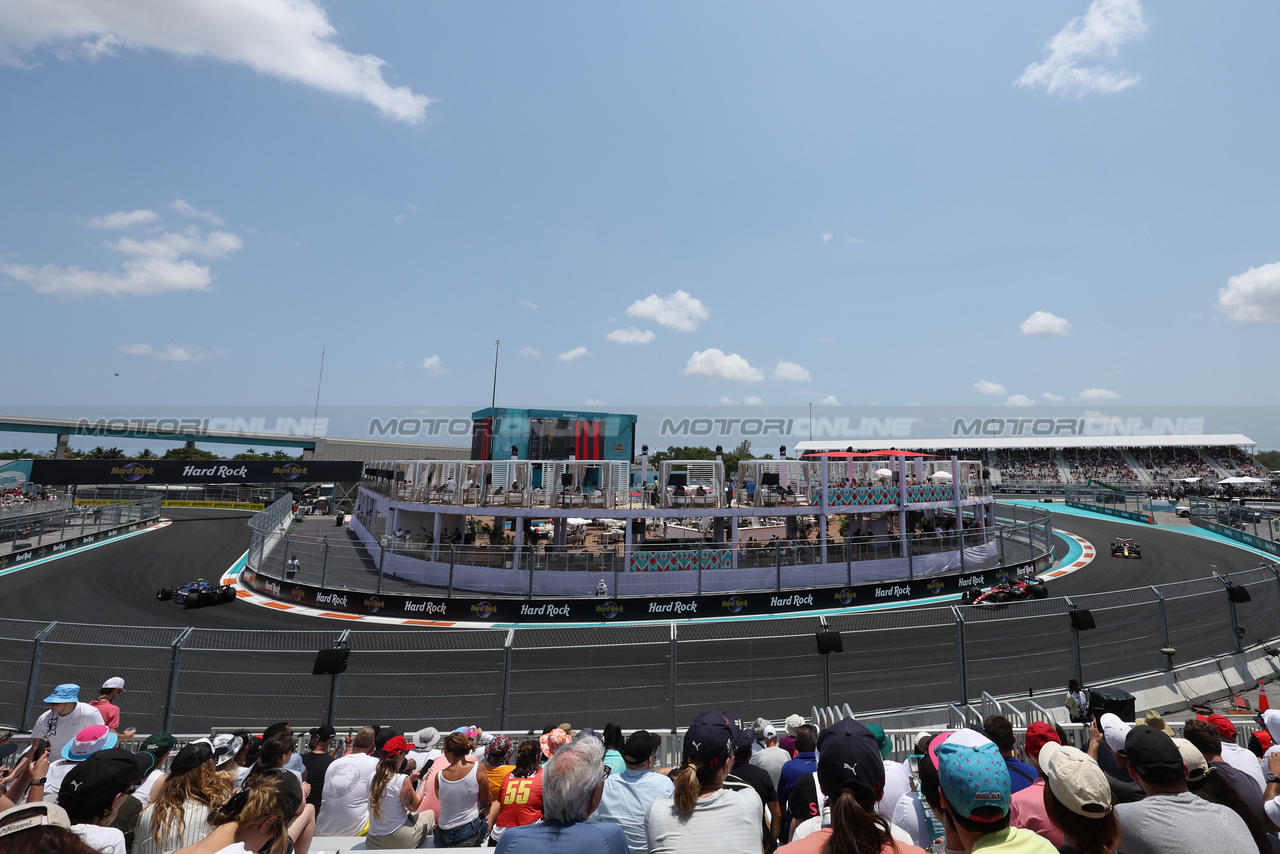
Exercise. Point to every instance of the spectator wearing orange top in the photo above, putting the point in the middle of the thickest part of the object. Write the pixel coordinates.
(520, 798)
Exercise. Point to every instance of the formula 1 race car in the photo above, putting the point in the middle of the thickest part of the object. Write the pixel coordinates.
(1126, 548)
(198, 593)
(1011, 591)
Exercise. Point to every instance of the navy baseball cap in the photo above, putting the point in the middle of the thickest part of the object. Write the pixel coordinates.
(849, 758)
(710, 739)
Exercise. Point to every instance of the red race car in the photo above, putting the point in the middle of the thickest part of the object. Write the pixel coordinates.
(1011, 591)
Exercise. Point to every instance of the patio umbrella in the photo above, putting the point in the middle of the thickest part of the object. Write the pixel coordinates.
(941, 475)
(883, 473)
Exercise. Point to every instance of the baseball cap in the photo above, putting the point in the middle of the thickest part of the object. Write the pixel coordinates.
(192, 756)
(882, 741)
(1197, 765)
(159, 742)
(1153, 755)
(1224, 726)
(108, 773)
(567, 728)
(395, 746)
(1039, 734)
(1075, 779)
(967, 737)
(288, 788)
(384, 735)
(1115, 731)
(973, 778)
(25, 817)
(87, 742)
(794, 721)
(65, 693)
(850, 757)
(710, 739)
(553, 741)
(324, 732)
(112, 683)
(639, 746)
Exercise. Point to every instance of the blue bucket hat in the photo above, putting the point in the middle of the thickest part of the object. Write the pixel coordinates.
(67, 693)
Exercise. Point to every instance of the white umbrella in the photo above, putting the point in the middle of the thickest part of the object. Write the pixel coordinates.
(883, 473)
(1190, 480)
(1242, 480)
(941, 475)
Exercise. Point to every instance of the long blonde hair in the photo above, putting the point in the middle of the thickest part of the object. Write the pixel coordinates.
(253, 805)
(387, 768)
(202, 784)
(689, 779)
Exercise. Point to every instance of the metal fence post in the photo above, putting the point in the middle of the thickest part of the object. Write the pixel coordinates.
(506, 674)
(911, 563)
(175, 664)
(1164, 626)
(324, 565)
(960, 535)
(960, 663)
(848, 564)
(777, 567)
(453, 559)
(343, 642)
(675, 682)
(1236, 631)
(1075, 643)
(699, 569)
(33, 676)
(1000, 545)
(382, 554)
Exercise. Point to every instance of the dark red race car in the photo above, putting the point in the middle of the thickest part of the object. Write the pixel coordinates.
(1011, 591)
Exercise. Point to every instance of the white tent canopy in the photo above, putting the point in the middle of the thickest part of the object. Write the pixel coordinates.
(1242, 480)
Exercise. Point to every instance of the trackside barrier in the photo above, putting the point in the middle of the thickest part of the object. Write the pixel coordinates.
(899, 663)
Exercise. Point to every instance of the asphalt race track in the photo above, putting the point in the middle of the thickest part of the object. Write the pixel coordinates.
(116, 583)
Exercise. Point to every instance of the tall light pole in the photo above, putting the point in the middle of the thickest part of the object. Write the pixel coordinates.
(493, 401)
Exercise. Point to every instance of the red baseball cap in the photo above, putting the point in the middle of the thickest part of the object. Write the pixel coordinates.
(1225, 727)
(1039, 734)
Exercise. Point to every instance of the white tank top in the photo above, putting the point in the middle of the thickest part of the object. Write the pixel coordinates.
(459, 802)
(393, 811)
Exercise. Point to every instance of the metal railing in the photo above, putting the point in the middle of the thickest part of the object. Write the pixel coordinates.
(656, 675)
(691, 567)
(47, 528)
(34, 508)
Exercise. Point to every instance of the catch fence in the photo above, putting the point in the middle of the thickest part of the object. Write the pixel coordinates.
(656, 675)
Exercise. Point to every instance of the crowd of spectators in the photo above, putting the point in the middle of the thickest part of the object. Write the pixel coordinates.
(1102, 464)
(16, 497)
(1171, 464)
(737, 786)
(1019, 466)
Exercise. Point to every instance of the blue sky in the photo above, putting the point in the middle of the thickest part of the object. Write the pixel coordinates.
(649, 204)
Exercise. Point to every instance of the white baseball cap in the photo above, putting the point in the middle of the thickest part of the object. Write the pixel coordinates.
(113, 682)
(1115, 731)
(1075, 779)
(1197, 765)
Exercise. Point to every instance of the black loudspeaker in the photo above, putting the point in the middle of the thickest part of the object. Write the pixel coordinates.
(1082, 619)
(1114, 700)
(566, 479)
(331, 662)
(1238, 594)
(829, 642)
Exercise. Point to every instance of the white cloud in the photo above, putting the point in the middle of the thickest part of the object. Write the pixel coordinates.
(715, 364)
(170, 353)
(1253, 296)
(1048, 395)
(591, 401)
(790, 372)
(728, 401)
(1019, 400)
(829, 400)
(191, 210)
(631, 335)
(408, 211)
(1098, 33)
(524, 303)
(123, 219)
(530, 353)
(753, 400)
(574, 355)
(289, 39)
(826, 237)
(1042, 324)
(153, 266)
(1093, 395)
(988, 387)
(676, 311)
(433, 365)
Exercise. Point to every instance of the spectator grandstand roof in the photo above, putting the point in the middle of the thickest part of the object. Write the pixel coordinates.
(1206, 440)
